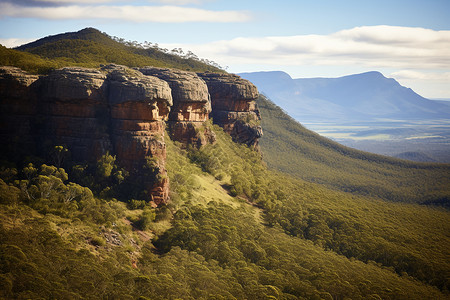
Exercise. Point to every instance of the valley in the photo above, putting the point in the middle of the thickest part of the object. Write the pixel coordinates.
(429, 139)
(365, 111)
(181, 181)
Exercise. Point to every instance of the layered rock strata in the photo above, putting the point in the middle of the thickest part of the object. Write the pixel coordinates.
(233, 102)
(123, 112)
(114, 110)
(139, 105)
(18, 108)
(191, 105)
(73, 110)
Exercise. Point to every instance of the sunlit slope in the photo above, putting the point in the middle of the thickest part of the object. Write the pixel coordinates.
(289, 147)
(403, 238)
(233, 229)
(90, 48)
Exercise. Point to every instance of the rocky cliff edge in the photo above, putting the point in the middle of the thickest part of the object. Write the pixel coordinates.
(123, 112)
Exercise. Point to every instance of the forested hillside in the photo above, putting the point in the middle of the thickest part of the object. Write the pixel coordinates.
(90, 48)
(233, 230)
(293, 149)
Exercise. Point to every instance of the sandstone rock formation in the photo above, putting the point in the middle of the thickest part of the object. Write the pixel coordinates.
(139, 105)
(92, 112)
(191, 105)
(18, 104)
(123, 112)
(234, 106)
(74, 112)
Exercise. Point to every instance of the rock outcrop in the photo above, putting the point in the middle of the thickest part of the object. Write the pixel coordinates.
(191, 105)
(123, 112)
(139, 105)
(92, 112)
(73, 110)
(18, 107)
(233, 102)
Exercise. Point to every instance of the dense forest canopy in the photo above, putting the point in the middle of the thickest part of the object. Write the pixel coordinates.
(234, 229)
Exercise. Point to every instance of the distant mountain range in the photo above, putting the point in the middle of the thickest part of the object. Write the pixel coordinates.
(360, 97)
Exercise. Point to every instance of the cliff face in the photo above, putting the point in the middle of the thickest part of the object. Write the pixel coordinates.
(233, 102)
(18, 107)
(123, 112)
(191, 105)
(71, 104)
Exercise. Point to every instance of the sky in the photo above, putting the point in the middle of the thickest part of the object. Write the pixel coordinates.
(408, 40)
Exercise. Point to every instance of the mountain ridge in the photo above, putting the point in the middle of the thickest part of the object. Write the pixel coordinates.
(361, 96)
(88, 33)
(91, 48)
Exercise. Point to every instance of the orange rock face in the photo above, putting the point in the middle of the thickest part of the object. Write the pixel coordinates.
(138, 107)
(72, 107)
(191, 105)
(124, 112)
(234, 107)
(92, 112)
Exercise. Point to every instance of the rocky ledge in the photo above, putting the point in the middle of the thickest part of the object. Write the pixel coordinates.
(123, 112)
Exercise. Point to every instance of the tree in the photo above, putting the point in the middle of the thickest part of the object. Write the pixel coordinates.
(105, 165)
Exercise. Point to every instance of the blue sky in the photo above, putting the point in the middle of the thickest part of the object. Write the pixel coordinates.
(407, 40)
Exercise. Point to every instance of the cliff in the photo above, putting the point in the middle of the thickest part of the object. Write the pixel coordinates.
(234, 106)
(123, 112)
(191, 105)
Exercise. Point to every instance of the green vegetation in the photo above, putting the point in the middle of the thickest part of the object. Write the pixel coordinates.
(312, 224)
(278, 238)
(27, 61)
(395, 235)
(91, 48)
(292, 149)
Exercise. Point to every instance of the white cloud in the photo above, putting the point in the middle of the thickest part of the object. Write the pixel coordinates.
(163, 14)
(178, 2)
(75, 1)
(369, 46)
(13, 42)
(416, 75)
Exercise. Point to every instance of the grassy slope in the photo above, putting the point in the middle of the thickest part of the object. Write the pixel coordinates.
(26, 61)
(90, 48)
(291, 148)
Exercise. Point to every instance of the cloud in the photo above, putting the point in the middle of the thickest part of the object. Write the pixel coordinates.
(13, 42)
(179, 2)
(75, 1)
(369, 46)
(416, 75)
(163, 14)
(47, 3)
